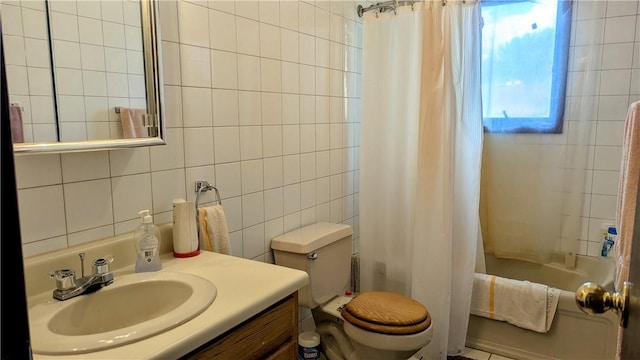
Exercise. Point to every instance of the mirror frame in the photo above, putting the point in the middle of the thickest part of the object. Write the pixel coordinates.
(151, 41)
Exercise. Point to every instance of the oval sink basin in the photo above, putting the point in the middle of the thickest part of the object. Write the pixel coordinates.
(134, 307)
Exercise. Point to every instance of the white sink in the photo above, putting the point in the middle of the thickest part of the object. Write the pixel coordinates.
(134, 307)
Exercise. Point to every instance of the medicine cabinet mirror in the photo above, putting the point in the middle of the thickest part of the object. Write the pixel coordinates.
(83, 75)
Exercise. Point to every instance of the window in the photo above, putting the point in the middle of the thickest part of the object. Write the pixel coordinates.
(525, 51)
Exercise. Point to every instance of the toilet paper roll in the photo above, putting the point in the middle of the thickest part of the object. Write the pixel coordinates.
(185, 233)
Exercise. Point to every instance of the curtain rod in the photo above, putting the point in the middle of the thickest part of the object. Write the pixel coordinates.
(391, 5)
(383, 5)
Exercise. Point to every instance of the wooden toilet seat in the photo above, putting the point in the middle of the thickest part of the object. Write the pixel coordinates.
(387, 313)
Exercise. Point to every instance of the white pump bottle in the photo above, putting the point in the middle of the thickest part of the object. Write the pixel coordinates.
(146, 239)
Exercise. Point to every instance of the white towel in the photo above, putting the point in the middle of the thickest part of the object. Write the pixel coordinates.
(524, 304)
(133, 123)
(213, 231)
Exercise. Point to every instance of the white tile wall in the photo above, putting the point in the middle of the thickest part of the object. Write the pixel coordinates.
(248, 108)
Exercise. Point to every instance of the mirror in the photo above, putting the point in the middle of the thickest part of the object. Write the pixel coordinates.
(83, 75)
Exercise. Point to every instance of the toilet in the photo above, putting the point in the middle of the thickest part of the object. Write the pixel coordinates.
(370, 325)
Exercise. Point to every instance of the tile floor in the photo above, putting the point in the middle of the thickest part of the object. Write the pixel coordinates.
(482, 355)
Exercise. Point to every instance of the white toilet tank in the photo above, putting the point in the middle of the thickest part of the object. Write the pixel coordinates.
(323, 250)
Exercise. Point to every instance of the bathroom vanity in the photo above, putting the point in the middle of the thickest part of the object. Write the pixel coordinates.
(254, 313)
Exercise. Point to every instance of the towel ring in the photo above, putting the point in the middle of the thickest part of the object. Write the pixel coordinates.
(204, 186)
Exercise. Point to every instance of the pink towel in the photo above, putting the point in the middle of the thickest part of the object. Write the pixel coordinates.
(15, 117)
(132, 123)
(627, 192)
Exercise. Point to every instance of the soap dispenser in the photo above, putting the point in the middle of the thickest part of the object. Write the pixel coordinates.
(146, 239)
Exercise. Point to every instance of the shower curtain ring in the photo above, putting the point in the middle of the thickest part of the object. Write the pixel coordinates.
(444, 2)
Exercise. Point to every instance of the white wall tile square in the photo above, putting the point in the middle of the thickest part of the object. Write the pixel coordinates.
(291, 165)
(248, 38)
(167, 186)
(272, 140)
(250, 142)
(42, 213)
(289, 15)
(248, 9)
(90, 31)
(34, 171)
(196, 107)
(269, 12)
(171, 63)
(253, 241)
(193, 24)
(129, 161)
(225, 107)
(322, 23)
(307, 166)
(252, 178)
(227, 178)
(290, 109)
(307, 49)
(223, 5)
(252, 209)
(291, 198)
(198, 146)
(271, 108)
(227, 144)
(195, 66)
(307, 80)
(114, 35)
(269, 41)
(270, 73)
(223, 70)
(82, 214)
(37, 52)
(248, 73)
(291, 139)
(85, 166)
(306, 18)
(273, 203)
(130, 195)
(64, 26)
(222, 30)
(616, 29)
(168, 20)
(250, 108)
(273, 174)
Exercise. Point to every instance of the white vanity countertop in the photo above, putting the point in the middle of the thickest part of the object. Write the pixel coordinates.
(245, 288)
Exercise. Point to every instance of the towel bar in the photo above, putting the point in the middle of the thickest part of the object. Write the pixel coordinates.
(204, 186)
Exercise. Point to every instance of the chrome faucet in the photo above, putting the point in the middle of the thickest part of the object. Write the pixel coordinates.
(67, 286)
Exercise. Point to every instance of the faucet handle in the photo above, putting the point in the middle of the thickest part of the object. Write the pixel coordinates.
(65, 278)
(101, 265)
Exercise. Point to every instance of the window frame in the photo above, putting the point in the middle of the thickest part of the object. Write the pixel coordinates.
(552, 124)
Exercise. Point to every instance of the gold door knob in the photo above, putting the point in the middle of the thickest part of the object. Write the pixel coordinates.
(594, 299)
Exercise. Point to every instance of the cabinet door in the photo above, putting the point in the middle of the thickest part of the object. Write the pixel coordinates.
(260, 337)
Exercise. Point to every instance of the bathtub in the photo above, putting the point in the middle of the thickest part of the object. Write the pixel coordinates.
(573, 334)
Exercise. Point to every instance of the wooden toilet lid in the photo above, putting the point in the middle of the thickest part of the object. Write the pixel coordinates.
(387, 313)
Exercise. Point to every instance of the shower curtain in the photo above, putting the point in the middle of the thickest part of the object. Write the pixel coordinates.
(420, 156)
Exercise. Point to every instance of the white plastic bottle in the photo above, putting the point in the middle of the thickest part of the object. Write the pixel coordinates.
(146, 239)
(609, 239)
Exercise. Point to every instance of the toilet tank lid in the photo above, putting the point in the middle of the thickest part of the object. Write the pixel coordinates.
(311, 237)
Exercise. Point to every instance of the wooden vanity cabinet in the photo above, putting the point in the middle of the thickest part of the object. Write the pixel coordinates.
(272, 334)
